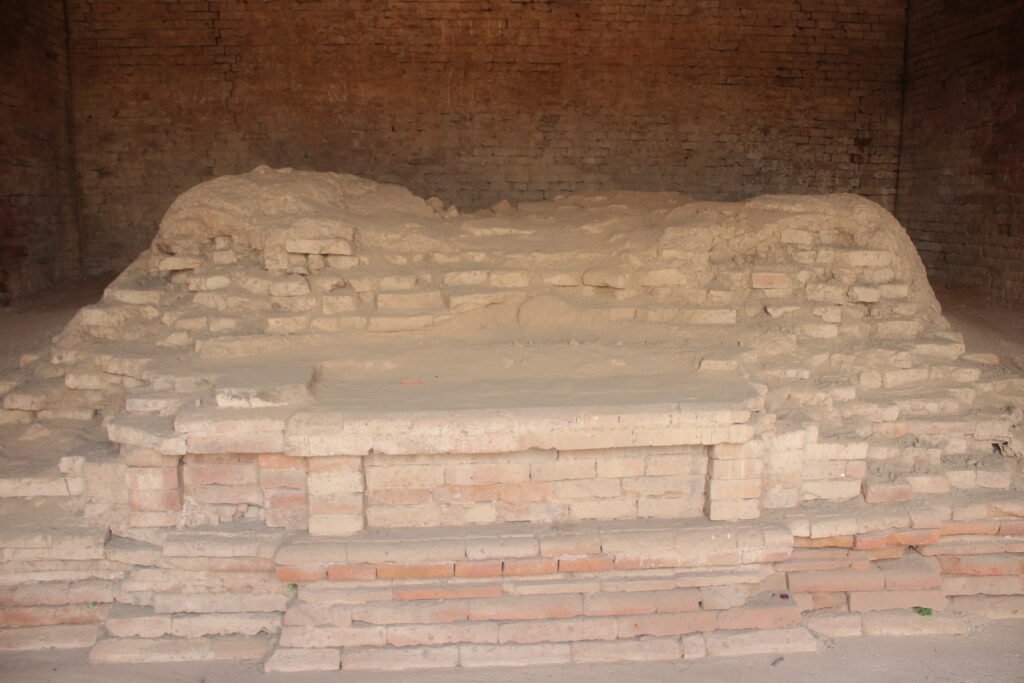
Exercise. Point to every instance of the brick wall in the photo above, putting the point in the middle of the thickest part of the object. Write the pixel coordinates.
(38, 226)
(961, 188)
(481, 99)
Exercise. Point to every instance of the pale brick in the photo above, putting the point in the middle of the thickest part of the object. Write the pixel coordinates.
(48, 637)
(910, 623)
(871, 601)
(399, 659)
(289, 660)
(472, 656)
(557, 630)
(776, 641)
(648, 649)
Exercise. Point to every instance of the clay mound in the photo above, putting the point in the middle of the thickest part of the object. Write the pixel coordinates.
(266, 209)
(244, 235)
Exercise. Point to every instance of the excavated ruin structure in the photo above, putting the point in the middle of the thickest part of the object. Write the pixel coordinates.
(324, 423)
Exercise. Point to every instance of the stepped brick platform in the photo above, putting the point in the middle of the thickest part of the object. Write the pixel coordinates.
(325, 424)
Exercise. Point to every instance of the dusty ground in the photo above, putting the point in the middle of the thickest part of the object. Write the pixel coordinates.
(996, 653)
(30, 325)
(987, 327)
(992, 654)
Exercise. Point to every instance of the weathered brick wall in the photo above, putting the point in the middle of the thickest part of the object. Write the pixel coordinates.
(481, 99)
(38, 228)
(961, 188)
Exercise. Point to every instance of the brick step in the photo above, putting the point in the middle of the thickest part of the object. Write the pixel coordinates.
(927, 398)
(857, 524)
(476, 655)
(38, 615)
(165, 403)
(512, 549)
(535, 620)
(32, 395)
(221, 648)
(61, 637)
(36, 481)
(136, 621)
(891, 622)
(436, 613)
(812, 394)
(52, 539)
(863, 580)
(989, 606)
(406, 320)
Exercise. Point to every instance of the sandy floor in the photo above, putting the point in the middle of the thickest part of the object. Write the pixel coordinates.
(29, 326)
(996, 653)
(987, 327)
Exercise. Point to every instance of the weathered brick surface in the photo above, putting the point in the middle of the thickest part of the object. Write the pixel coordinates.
(473, 104)
(962, 165)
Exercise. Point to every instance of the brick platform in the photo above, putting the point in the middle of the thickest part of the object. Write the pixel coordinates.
(380, 435)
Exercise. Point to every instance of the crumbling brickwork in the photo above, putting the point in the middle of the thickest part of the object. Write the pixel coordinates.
(38, 230)
(479, 100)
(961, 188)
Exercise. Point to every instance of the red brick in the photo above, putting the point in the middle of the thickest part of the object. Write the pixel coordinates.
(411, 612)
(15, 617)
(416, 571)
(283, 479)
(887, 492)
(836, 580)
(285, 499)
(300, 574)
(529, 567)
(905, 537)
(526, 607)
(352, 572)
(153, 478)
(642, 602)
(978, 527)
(480, 569)
(155, 501)
(1013, 527)
(982, 565)
(585, 564)
(226, 474)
